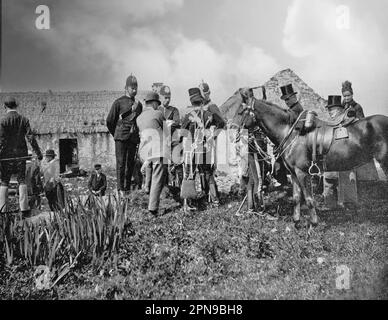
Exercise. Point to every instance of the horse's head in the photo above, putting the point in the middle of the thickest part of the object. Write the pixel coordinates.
(233, 103)
(243, 115)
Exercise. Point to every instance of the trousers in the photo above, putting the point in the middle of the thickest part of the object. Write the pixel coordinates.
(125, 161)
(23, 198)
(55, 195)
(254, 181)
(158, 181)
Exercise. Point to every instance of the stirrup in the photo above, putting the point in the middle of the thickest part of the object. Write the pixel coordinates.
(312, 166)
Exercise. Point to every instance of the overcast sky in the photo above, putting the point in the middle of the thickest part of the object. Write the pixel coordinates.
(96, 44)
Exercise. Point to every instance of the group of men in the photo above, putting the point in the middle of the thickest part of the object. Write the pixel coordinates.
(135, 128)
(139, 129)
(150, 131)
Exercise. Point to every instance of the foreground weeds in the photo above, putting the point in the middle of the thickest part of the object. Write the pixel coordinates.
(210, 254)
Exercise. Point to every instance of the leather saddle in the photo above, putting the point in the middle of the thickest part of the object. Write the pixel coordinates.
(342, 121)
(325, 132)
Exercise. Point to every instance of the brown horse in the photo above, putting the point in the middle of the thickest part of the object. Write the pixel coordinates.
(368, 139)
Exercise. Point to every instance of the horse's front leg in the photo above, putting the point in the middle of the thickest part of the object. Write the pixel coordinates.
(302, 178)
(296, 193)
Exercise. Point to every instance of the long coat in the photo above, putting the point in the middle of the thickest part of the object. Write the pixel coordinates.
(154, 140)
(14, 129)
(294, 112)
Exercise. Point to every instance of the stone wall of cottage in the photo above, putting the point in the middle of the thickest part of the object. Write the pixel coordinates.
(92, 148)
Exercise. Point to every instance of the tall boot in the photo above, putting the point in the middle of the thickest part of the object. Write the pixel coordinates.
(213, 194)
(3, 199)
(251, 199)
(23, 199)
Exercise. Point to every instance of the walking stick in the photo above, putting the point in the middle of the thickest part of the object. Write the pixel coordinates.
(242, 203)
(17, 158)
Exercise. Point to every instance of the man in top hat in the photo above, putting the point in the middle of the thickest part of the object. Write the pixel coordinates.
(52, 185)
(97, 182)
(196, 123)
(339, 188)
(14, 129)
(335, 107)
(121, 123)
(352, 108)
(291, 99)
(153, 147)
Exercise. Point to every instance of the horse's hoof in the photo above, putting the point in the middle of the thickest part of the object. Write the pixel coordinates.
(298, 225)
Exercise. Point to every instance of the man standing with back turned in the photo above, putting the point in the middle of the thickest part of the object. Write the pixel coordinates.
(14, 129)
(121, 123)
(153, 147)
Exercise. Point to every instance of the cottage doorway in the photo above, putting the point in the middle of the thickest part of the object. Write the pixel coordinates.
(68, 154)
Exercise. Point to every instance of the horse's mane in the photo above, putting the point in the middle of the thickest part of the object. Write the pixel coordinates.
(273, 105)
(270, 103)
(228, 104)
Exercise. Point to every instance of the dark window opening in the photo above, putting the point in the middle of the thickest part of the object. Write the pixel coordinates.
(68, 154)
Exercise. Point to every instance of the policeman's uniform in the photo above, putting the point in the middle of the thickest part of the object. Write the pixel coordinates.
(209, 104)
(121, 123)
(195, 123)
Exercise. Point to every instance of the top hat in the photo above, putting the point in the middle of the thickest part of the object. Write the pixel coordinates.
(195, 95)
(165, 91)
(10, 102)
(152, 96)
(287, 92)
(334, 101)
(97, 166)
(131, 81)
(50, 153)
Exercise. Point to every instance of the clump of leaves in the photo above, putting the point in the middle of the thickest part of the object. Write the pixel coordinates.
(93, 231)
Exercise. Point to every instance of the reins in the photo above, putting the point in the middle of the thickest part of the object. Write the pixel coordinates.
(279, 150)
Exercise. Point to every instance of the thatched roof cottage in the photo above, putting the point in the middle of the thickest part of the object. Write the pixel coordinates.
(71, 123)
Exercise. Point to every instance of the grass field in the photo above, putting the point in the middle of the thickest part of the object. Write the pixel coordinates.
(214, 254)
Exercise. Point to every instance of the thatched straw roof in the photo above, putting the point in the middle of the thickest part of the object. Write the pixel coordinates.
(66, 112)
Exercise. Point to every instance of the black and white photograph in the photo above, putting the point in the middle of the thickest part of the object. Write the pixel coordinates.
(204, 153)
